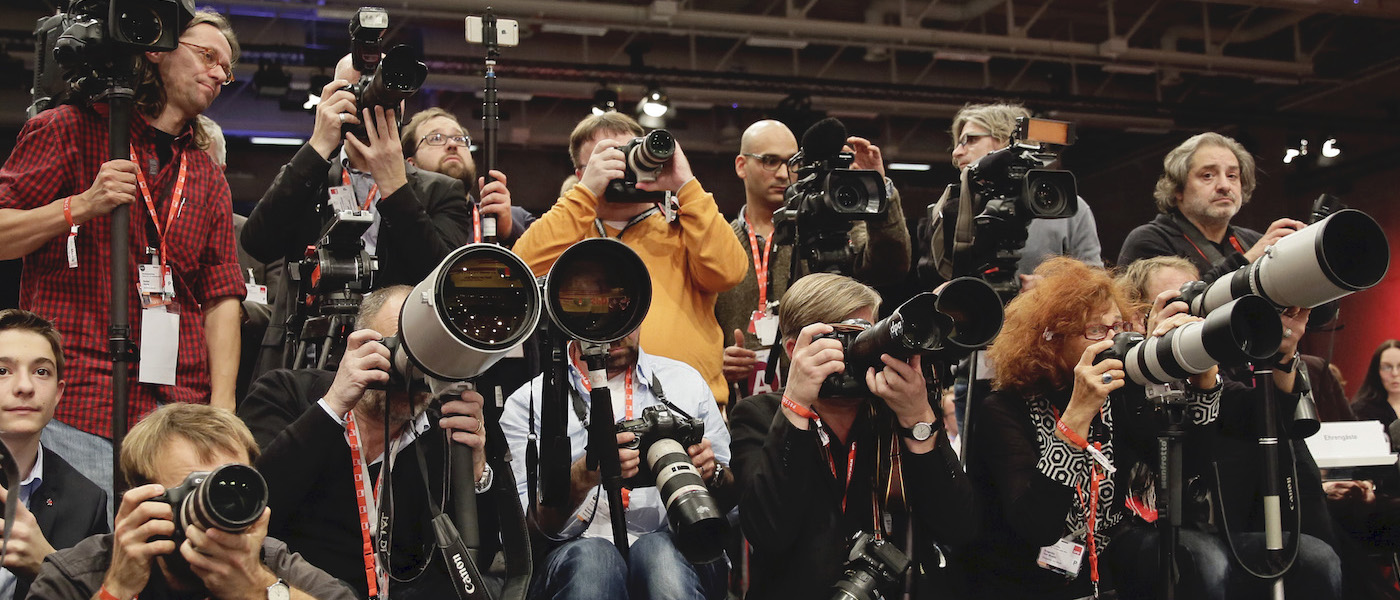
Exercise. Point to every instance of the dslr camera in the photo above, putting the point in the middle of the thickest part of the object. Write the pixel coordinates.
(384, 81)
(230, 498)
(696, 521)
(825, 198)
(645, 157)
(872, 564)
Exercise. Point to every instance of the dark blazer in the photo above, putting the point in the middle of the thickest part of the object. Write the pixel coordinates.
(420, 224)
(1163, 236)
(66, 493)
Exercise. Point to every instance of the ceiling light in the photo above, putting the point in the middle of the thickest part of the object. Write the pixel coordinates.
(1330, 149)
(276, 141)
(1289, 155)
(655, 103)
(1128, 69)
(896, 166)
(604, 101)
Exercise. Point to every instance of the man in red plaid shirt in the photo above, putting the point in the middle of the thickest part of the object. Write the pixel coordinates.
(56, 191)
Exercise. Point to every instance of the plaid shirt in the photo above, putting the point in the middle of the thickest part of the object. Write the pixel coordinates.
(58, 154)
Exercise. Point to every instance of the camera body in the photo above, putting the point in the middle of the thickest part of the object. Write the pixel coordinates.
(230, 498)
(1012, 186)
(339, 261)
(658, 423)
(386, 78)
(645, 157)
(850, 382)
(872, 564)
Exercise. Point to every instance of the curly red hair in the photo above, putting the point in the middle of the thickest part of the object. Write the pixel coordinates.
(1063, 302)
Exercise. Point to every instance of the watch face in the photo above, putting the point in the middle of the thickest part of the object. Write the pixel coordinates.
(922, 431)
(279, 591)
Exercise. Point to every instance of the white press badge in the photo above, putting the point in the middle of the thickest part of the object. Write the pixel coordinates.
(160, 345)
(256, 293)
(765, 326)
(342, 197)
(1062, 557)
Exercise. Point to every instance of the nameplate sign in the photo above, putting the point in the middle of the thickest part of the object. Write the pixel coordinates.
(1351, 444)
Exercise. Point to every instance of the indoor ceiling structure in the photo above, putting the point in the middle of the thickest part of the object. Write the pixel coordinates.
(1129, 72)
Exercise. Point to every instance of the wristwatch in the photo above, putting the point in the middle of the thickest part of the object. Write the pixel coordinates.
(715, 477)
(920, 432)
(1290, 365)
(279, 591)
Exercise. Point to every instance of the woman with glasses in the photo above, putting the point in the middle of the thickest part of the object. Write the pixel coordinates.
(1052, 447)
(1379, 396)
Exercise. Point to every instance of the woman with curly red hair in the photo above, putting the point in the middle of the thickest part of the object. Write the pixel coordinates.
(1050, 449)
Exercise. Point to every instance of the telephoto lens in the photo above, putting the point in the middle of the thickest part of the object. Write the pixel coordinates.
(697, 525)
(653, 152)
(1244, 329)
(230, 498)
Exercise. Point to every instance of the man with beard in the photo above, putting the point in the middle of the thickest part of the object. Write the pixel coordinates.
(434, 140)
(322, 431)
(589, 565)
(140, 558)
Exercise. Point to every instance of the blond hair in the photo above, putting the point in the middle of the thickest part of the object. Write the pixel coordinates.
(822, 298)
(210, 430)
(998, 119)
(1133, 279)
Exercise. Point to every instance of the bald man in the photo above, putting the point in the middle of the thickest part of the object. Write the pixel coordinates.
(748, 314)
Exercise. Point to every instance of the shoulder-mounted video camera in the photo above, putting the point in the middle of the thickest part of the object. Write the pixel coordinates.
(1013, 186)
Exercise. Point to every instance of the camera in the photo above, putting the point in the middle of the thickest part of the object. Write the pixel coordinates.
(91, 39)
(1011, 186)
(825, 198)
(335, 273)
(1245, 329)
(384, 81)
(230, 498)
(645, 157)
(696, 522)
(963, 316)
(873, 563)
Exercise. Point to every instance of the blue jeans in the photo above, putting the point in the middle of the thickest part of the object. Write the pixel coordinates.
(1208, 570)
(593, 568)
(90, 454)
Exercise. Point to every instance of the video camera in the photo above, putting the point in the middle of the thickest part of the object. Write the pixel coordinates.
(645, 158)
(964, 316)
(826, 198)
(385, 81)
(94, 40)
(696, 522)
(334, 275)
(872, 564)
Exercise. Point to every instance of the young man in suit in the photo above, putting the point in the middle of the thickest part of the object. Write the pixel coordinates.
(31, 383)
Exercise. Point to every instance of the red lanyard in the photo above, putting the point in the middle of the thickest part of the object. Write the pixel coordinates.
(369, 199)
(476, 222)
(362, 497)
(1091, 509)
(850, 467)
(1233, 242)
(760, 265)
(173, 210)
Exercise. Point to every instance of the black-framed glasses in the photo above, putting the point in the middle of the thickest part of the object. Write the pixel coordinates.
(769, 162)
(1099, 331)
(439, 139)
(210, 60)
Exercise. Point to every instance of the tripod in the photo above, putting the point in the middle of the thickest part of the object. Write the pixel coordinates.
(1170, 403)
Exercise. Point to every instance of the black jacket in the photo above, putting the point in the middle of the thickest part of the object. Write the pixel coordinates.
(791, 510)
(66, 493)
(420, 224)
(311, 490)
(1163, 236)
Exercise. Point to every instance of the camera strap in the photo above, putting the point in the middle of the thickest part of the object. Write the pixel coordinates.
(461, 565)
(603, 232)
(1207, 249)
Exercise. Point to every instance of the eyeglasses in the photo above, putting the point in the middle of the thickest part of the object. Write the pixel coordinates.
(769, 162)
(1100, 331)
(969, 139)
(210, 60)
(440, 139)
(1390, 368)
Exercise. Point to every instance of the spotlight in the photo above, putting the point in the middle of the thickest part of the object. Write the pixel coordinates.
(652, 109)
(604, 101)
(1330, 149)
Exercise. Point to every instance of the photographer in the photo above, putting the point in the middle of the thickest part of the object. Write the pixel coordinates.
(1050, 496)
(794, 449)
(158, 454)
(56, 190)
(588, 565)
(692, 259)
(419, 216)
(304, 419)
(880, 248)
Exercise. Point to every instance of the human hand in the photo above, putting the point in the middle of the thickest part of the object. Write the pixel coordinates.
(335, 102)
(739, 361)
(365, 362)
(1350, 491)
(812, 361)
(114, 186)
(134, 541)
(604, 165)
(867, 155)
(1277, 230)
(230, 564)
(495, 201)
(27, 546)
(1295, 322)
(901, 385)
(1090, 391)
(631, 458)
(1167, 304)
(384, 154)
(673, 175)
(702, 455)
(463, 418)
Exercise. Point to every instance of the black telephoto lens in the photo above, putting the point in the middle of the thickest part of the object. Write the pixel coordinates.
(231, 498)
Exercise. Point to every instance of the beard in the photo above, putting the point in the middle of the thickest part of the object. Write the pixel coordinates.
(400, 412)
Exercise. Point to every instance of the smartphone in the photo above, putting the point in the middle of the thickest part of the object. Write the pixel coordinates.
(507, 32)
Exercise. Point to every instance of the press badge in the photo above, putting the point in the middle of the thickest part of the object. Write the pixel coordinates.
(256, 293)
(160, 345)
(342, 197)
(1062, 557)
(156, 285)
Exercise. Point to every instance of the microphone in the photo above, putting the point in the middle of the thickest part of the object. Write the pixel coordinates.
(824, 140)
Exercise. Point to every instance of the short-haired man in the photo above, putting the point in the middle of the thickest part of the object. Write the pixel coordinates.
(435, 140)
(31, 384)
(304, 421)
(690, 260)
(880, 249)
(54, 190)
(815, 470)
(419, 216)
(141, 559)
(1204, 183)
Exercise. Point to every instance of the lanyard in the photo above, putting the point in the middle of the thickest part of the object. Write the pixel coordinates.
(369, 199)
(850, 467)
(173, 210)
(1091, 509)
(760, 266)
(365, 501)
(598, 223)
(476, 222)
